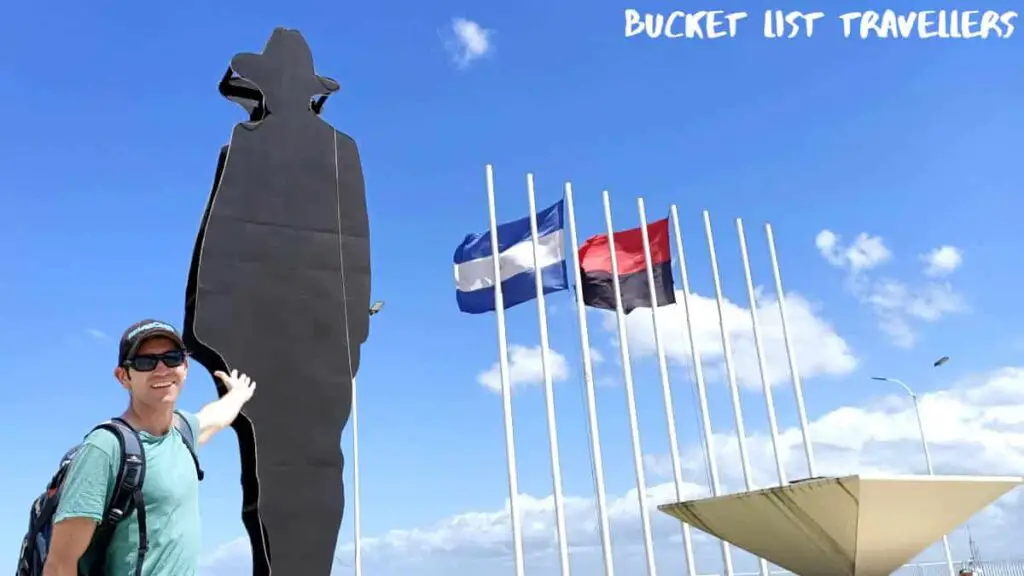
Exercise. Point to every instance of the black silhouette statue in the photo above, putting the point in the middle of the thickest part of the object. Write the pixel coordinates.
(279, 288)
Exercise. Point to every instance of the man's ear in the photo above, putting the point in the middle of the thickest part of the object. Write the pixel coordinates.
(121, 375)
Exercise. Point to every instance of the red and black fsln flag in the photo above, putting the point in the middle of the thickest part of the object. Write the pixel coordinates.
(596, 269)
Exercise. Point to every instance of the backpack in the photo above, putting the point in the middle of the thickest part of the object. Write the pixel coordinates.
(125, 499)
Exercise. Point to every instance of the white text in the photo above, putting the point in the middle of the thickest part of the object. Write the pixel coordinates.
(704, 24)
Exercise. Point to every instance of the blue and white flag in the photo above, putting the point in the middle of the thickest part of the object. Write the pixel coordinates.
(474, 268)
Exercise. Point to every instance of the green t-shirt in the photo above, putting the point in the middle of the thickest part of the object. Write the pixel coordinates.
(171, 492)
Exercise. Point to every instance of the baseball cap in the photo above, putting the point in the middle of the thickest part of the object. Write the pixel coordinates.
(139, 332)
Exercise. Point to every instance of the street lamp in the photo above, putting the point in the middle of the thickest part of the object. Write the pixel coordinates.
(924, 443)
(920, 424)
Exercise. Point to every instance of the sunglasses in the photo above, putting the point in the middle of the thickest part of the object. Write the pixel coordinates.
(148, 362)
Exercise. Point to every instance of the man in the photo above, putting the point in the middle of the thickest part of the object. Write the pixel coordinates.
(152, 365)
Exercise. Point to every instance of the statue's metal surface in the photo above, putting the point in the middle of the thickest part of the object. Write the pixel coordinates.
(279, 288)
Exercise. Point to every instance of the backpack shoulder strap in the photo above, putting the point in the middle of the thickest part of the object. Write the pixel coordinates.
(184, 428)
(127, 493)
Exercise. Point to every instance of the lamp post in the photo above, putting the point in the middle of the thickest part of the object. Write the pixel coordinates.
(917, 413)
(357, 528)
(924, 444)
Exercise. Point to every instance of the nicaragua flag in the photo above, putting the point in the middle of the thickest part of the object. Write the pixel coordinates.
(474, 268)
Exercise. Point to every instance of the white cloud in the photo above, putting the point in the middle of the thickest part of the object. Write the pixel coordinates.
(525, 368)
(228, 554)
(942, 261)
(658, 467)
(97, 334)
(975, 427)
(468, 41)
(864, 253)
(824, 352)
(897, 305)
(489, 531)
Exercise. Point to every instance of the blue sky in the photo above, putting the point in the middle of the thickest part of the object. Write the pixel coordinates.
(110, 139)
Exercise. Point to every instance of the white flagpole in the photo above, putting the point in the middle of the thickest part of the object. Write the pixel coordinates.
(356, 526)
(588, 377)
(698, 376)
(666, 390)
(627, 375)
(794, 372)
(773, 423)
(549, 392)
(506, 385)
(741, 432)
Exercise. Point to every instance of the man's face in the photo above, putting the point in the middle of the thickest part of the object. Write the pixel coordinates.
(159, 386)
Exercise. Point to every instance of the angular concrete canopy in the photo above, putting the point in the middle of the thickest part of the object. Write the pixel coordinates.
(849, 526)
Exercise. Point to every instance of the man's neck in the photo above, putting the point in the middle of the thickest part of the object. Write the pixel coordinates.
(156, 421)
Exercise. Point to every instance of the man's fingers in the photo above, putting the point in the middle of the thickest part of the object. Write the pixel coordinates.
(236, 378)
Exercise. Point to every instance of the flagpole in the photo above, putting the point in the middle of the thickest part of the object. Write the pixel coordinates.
(741, 433)
(588, 378)
(549, 392)
(773, 423)
(627, 374)
(670, 412)
(797, 388)
(356, 525)
(698, 375)
(506, 390)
